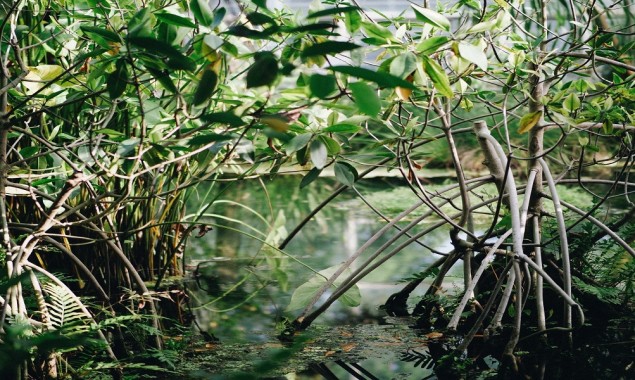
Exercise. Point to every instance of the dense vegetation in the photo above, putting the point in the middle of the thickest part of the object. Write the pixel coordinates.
(112, 112)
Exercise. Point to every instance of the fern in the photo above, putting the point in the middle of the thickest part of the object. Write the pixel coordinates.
(64, 312)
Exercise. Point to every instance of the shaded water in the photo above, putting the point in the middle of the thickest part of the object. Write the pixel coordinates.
(240, 291)
(229, 255)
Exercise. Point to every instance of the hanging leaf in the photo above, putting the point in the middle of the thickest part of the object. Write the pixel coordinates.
(342, 128)
(571, 103)
(438, 76)
(264, 71)
(176, 59)
(403, 65)
(383, 79)
(431, 45)
(105, 34)
(345, 173)
(202, 12)
(484, 26)
(163, 76)
(473, 54)
(117, 81)
(319, 153)
(332, 11)
(529, 121)
(431, 17)
(175, 20)
(322, 86)
(366, 98)
(228, 118)
(328, 48)
(332, 146)
(297, 143)
(206, 86)
(311, 176)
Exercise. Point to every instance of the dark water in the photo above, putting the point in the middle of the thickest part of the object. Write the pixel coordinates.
(240, 289)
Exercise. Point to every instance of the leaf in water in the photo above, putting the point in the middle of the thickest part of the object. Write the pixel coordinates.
(319, 153)
(381, 78)
(529, 121)
(431, 17)
(345, 173)
(297, 143)
(264, 71)
(403, 65)
(366, 98)
(342, 128)
(311, 176)
(473, 54)
(328, 48)
(322, 85)
(206, 86)
(438, 76)
(305, 292)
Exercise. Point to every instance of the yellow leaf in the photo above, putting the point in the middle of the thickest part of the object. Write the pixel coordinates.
(529, 121)
(275, 122)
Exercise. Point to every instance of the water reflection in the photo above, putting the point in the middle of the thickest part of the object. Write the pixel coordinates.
(243, 286)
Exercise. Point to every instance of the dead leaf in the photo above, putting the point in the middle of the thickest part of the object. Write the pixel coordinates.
(434, 335)
(529, 121)
(348, 347)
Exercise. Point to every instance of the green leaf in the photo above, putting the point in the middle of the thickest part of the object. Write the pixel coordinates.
(431, 45)
(264, 71)
(571, 103)
(175, 20)
(117, 81)
(311, 28)
(206, 87)
(141, 24)
(403, 65)
(332, 11)
(366, 98)
(164, 78)
(431, 17)
(305, 292)
(342, 128)
(202, 12)
(346, 173)
(322, 85)
(257, 18)
(319, 153)
(377, 31)
(219, 15)
(176, 59)
(228, 118)
(332, 146)
(473, 54)
(107, 35)
(311, 176)
(297, 143)
(484, 26)
(328, 48)
(353, 21)
(529, 121)
(381, 78)
(29, 151)
(438, 77)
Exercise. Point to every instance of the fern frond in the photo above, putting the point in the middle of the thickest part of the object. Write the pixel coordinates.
(64, 311)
